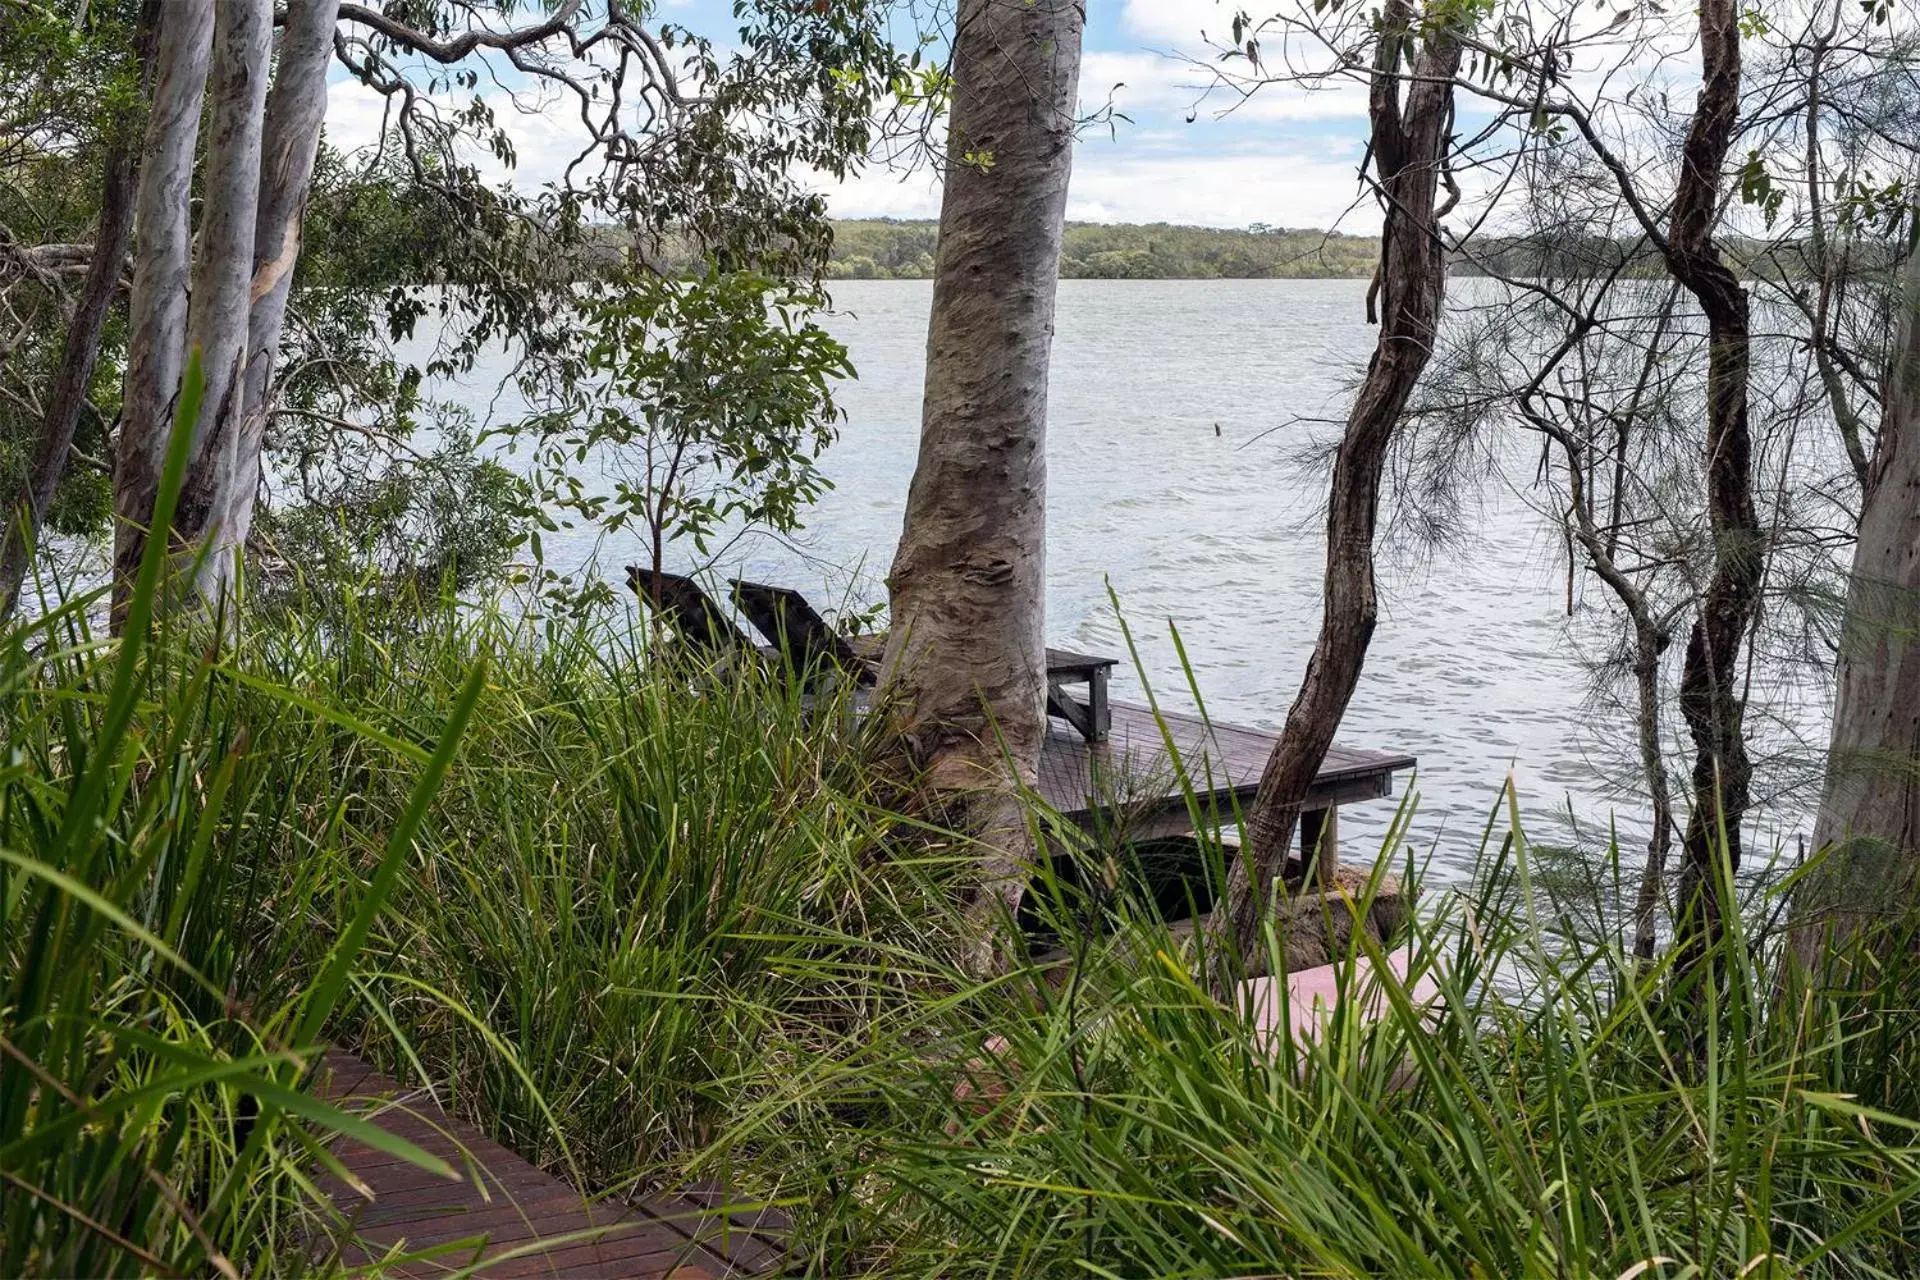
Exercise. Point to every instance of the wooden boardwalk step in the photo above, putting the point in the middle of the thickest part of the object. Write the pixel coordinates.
(515, 1219)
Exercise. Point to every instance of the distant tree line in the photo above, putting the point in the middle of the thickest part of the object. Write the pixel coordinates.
(889, 249)
(1568, 253)
(884, 249)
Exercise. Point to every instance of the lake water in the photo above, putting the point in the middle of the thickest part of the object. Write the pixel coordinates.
(1174, 479)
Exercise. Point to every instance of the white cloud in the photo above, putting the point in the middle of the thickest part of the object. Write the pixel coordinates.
(1219, 190)
(353, 114)
(1144, 82)
(1180, 22)
(1140, 81)
(545, 136)
(1279, 186)
(885, 193)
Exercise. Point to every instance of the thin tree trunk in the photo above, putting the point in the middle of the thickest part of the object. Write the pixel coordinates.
(1650, 641)
(1710, 700)
(1868, 829)
(81, 350)
(157, 309)
(1409, 147)
(965, 669)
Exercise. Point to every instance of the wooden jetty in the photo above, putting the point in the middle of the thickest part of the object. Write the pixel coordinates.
(1104, 765)
(504, 1217)
(1129, 780)
(1104, 762)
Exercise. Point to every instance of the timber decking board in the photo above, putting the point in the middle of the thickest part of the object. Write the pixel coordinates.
(872, 645)
(755, 1238)
(503, 1222)
(1222, 761)
(690, 1238)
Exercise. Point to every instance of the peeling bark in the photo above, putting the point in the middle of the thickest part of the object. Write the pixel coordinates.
(157, 310)
(296, 109)
(217, 300)
(1409, 146)
(1868, 829)
(218, 317)
(964, 681)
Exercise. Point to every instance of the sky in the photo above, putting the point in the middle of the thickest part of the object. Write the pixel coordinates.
(1285, 157)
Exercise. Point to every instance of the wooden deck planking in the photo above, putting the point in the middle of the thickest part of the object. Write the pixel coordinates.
(1133, 770)
(755, 1237)
(504, 1207)
(872, 646)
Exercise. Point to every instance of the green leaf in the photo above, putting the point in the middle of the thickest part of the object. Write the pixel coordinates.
(325, 992)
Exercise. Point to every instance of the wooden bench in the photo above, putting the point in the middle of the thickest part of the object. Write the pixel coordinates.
(1091, 718)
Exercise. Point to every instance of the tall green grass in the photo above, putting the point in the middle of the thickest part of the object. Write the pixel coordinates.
(687, 938)
(151, 1119)
(1562, 1112)
(649, 923)
(632, 872)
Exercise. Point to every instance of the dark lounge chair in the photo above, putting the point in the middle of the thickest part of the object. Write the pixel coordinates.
(689, 610)
(810, 646)
(805, 639)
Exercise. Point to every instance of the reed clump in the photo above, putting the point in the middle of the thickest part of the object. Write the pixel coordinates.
(647, 922)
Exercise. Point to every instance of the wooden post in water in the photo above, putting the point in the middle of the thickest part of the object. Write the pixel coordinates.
(1320, 845)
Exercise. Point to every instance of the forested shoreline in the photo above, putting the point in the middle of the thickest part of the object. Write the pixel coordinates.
(884, 249)
(902, 249)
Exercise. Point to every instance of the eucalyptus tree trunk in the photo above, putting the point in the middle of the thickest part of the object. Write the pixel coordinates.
(1409, 144)
(258, 169)
(80, 350)
(964, 682)
(1868, 829)
(217, 507)
(157, 309)
(233, 302)
(217, 319)
(1710, 694)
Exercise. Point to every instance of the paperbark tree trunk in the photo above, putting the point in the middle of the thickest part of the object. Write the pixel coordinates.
(964, 682)
(217, 320)
(67, 398)
(1869, 823)
(1710, 695)
(218, 504)
(1409, 145)
(260, 169)
(157, 309)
